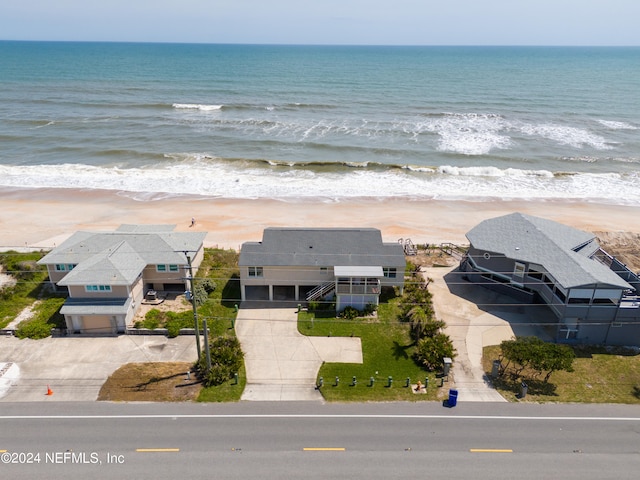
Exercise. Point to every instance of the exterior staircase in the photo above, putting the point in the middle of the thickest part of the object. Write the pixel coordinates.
(409, 248)
(320, 291)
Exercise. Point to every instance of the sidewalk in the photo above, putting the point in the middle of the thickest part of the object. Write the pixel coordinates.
(281, 363)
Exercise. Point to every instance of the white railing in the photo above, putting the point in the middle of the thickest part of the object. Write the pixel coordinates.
(320, 291)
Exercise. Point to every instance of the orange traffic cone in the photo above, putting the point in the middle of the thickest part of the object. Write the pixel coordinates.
(49, 391)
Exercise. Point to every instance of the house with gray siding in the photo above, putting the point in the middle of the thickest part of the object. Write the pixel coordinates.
(107, 274)
(535, 260)
(350, 265)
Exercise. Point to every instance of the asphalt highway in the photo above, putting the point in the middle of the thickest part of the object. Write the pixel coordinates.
(310, 440)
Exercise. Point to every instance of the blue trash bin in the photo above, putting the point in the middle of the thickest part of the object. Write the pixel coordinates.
(453, 398)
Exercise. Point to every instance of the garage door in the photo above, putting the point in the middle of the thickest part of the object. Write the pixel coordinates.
(256, 292)
(96, 324)
(284, 292)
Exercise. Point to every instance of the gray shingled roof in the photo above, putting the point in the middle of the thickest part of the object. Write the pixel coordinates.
(120, 265)
(554, 246)
(154, 247)
(324, 247)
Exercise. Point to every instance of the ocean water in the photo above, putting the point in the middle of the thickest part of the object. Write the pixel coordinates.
(322, 122)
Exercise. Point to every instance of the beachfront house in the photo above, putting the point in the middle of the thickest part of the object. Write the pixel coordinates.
(108, 274)
(593, 296)
(348, 265)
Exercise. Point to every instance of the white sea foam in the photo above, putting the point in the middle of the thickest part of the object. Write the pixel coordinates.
(204, 175)
(492, 172)
(613, 125)
(564, 135)
(195, 106)
(467, 134)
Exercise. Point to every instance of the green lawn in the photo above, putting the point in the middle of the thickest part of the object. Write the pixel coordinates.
(387, 352)
(598, 377)
(220, 311)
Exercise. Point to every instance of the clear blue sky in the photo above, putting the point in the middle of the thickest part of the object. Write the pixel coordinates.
(396, 22)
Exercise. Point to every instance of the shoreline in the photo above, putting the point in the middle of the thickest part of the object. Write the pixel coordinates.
(43, 218)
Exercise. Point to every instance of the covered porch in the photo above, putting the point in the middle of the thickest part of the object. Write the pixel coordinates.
(357, 286)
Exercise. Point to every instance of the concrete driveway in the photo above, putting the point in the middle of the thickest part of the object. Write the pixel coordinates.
(75, 368)
(281, 363)
(476, 318)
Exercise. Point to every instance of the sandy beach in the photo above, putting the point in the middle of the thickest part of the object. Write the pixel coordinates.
(44, 218)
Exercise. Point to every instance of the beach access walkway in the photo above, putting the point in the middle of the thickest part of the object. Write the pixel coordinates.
(281, 363)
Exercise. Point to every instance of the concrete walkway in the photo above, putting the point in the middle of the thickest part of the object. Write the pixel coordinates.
(281, 363)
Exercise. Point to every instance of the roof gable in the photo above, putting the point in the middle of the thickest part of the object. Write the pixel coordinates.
(120, 265)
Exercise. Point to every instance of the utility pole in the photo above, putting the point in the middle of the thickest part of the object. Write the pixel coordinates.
(207, 352)
(193, 304)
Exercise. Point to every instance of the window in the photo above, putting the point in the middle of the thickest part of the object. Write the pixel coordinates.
(167, 268)
(389, 272)
(578, 300)
(604, 301)
(61, 267)
(255, 271)
(518, 270)
(97, 288)
(560, 294)
(535, 274)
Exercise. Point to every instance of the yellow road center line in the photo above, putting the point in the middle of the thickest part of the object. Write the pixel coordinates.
(157, 449)
(324, 449)
(3, 451)
(491, 450)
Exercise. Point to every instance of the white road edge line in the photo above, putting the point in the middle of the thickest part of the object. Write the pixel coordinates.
(328, 416)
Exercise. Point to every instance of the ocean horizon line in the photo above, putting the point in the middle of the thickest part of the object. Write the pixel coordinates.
(305, 45)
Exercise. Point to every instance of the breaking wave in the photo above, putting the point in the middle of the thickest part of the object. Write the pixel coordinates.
(205, 175)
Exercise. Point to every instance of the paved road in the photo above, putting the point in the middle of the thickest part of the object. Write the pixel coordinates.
(308, 440)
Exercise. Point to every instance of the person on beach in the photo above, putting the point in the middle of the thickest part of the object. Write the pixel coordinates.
(193, 222)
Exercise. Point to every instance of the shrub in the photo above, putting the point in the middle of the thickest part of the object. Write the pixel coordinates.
(33, 329)
(202, 288)
(350, 313)
(226, 359)
(537, 355)
(321, 305)
(152, 319)
(370, 309)
(177, 321)
(431, 350)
